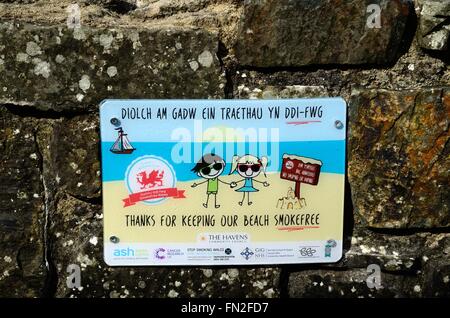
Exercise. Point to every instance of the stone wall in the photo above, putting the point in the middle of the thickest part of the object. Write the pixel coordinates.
(394, 73)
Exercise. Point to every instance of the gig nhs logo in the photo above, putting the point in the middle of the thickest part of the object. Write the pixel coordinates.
(130, 252)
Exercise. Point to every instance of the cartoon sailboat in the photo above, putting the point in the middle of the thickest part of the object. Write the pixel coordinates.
(122, 144)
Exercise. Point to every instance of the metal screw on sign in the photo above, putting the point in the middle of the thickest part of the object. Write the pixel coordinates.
(339, 124)
(115, 121)
(114, 239)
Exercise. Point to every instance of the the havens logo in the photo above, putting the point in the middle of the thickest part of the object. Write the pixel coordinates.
(151, 180)
(223, 238)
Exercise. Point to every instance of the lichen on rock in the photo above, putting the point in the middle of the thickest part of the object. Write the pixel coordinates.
(22, 209)
(103, 63)
(285, 33)
(399, 157)
(434, 29)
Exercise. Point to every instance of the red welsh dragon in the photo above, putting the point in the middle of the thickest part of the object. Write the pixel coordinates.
(153, 179)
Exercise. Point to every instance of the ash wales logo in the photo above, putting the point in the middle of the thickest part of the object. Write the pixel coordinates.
(150, 180)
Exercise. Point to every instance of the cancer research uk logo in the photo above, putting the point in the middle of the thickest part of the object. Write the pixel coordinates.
(150, 180)
(160, 253)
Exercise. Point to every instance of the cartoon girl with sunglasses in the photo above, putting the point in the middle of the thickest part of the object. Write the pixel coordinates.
(210, 167)
(248, 167)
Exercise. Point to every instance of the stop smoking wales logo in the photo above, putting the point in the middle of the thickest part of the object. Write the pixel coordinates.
(150, 180)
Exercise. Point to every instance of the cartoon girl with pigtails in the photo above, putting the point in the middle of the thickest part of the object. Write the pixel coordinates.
(248, 167)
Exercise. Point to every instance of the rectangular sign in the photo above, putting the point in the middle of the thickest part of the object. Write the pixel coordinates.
(223, 182)
(300, 169)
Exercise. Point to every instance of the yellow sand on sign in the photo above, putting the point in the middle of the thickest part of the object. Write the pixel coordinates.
(325, 199)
